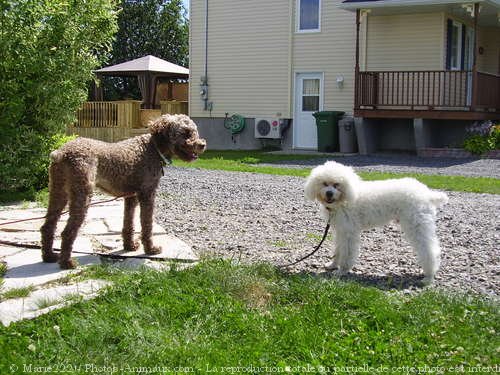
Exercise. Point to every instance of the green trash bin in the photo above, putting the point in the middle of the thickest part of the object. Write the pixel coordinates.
(328, 130)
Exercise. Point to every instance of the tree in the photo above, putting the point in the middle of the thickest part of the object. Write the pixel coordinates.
(148, 27)
(48, 50)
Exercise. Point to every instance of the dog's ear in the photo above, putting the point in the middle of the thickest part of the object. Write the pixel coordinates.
(162, 127)
(349, 182)
(310, 188)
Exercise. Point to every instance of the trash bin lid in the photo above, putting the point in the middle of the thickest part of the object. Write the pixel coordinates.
(328, 113)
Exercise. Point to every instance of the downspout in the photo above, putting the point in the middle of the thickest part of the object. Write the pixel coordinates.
(290, 59)
(204, 78)
(356, 68)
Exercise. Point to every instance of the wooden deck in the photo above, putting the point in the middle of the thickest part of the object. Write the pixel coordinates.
(433, 94)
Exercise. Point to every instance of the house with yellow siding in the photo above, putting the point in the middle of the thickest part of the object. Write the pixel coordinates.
(410, 74)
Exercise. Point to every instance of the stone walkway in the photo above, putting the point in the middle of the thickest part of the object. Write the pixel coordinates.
(101, 234)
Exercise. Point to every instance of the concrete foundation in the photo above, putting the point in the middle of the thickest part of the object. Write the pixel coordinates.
(376, 135)
(220, 138)
(373, 135)
(410, 135)
(441, 133)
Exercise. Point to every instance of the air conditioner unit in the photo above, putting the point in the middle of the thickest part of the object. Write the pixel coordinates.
(268, 128)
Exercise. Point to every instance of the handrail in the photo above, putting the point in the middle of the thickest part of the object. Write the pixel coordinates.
(426, 89)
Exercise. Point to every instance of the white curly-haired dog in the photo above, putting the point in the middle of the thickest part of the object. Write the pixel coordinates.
(351, 205)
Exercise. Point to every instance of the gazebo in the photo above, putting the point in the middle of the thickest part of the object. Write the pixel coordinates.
(113, 121)
(147, 69)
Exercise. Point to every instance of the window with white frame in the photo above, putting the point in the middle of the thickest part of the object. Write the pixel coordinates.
(308, 15)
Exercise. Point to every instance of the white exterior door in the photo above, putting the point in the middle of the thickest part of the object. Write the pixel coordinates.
(308, 99)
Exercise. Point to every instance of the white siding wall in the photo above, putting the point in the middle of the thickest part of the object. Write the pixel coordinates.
(489, 39)
(406, 42)
(332, 52)
(254, 53)
(248, 57)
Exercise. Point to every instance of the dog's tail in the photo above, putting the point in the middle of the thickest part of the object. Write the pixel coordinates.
(438, 198)
(56, 156)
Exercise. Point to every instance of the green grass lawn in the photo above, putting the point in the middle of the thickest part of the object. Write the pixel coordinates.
(248, 161)
(219, 314)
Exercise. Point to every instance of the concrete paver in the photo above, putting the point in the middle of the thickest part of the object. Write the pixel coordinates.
(101, 233)
(44, 300)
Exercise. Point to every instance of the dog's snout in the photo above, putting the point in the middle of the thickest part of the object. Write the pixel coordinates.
(329, 194)
(201, 145)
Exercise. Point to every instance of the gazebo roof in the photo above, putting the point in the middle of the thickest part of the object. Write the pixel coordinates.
(145, 64)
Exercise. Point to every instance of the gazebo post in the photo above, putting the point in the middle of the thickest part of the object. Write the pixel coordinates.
(97, 90)
(154, 81)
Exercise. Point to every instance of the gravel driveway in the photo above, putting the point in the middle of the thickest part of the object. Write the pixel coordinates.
(256, 217)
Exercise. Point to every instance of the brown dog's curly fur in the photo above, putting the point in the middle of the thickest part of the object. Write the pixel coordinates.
(133, 166)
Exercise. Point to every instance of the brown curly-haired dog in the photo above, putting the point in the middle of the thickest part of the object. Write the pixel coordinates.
(133, 166)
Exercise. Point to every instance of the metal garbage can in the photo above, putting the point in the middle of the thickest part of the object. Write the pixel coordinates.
(347, 136)
(328, 133)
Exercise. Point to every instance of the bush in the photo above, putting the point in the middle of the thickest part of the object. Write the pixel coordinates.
(26, 160)
(48, 50)
(483, 137)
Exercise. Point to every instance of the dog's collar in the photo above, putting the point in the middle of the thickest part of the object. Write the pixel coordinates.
(165, 161)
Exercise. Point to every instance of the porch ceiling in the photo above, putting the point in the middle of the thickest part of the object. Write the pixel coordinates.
(488, 17)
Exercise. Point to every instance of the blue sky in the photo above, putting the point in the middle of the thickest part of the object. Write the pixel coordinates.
(186, 5)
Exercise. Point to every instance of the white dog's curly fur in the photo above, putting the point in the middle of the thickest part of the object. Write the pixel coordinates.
(352, 205)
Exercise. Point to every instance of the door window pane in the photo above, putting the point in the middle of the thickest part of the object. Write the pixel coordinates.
(310, 103)
(310, 87)
(310, 95)
(309, 15)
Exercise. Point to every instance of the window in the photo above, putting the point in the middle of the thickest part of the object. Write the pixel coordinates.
(310, 95)
(309, 15)
(455, 50)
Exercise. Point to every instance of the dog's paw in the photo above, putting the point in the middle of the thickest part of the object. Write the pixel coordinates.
(50, 257)
(131, 246)
(330, 266)
(68, 264)
(153, 250)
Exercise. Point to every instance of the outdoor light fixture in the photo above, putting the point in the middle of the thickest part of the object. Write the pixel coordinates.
(340, 82)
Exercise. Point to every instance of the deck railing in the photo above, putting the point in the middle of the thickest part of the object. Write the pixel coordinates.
(428, 90)
(117, 120)
(122, 114)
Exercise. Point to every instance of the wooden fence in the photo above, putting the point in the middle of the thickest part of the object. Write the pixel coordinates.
(118, 120)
